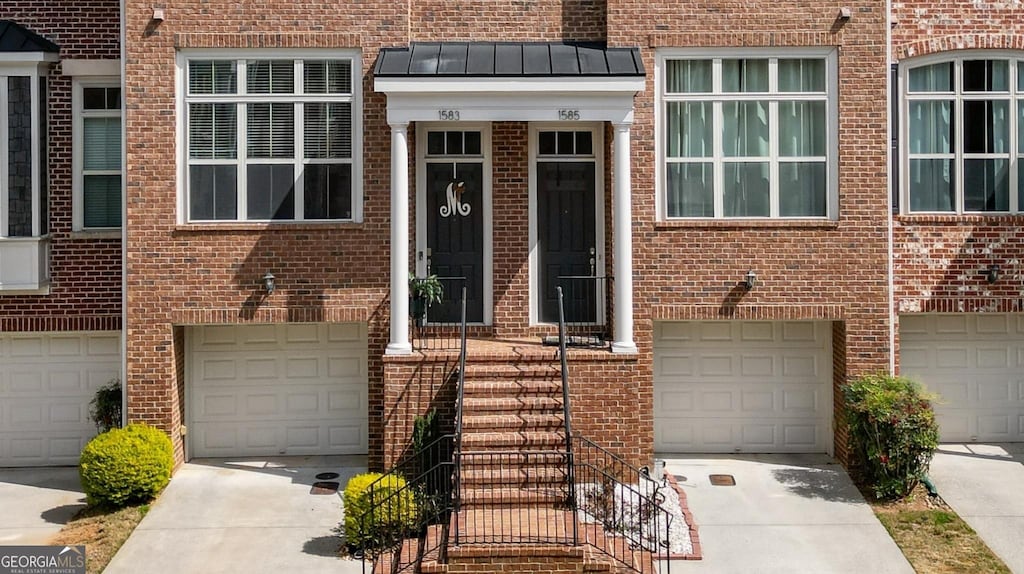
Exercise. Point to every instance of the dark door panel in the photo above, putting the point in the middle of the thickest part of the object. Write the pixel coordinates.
(566, 233)
(455, 237)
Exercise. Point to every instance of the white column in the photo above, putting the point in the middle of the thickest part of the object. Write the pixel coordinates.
(399, 344)
(622, 243)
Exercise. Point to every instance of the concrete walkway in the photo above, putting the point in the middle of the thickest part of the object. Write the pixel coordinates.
(786, 514)
(984, 484)
(243, 516)
(36, 502)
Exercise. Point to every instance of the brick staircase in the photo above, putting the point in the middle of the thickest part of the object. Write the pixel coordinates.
(514, 481)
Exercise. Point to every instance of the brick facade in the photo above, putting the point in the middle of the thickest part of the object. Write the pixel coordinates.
(202, 274)
(939, 259)
(85, 269)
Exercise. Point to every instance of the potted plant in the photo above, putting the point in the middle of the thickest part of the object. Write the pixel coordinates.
(423, 292)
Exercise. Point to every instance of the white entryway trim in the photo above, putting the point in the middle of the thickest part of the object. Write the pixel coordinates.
(420, 262)
(599, 238)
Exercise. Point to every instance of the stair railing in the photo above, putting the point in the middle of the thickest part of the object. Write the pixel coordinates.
(570, 464)
(607, 491)
(458, 417)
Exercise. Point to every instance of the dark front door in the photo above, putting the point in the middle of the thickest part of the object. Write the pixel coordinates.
(455, 238)
(566, 230)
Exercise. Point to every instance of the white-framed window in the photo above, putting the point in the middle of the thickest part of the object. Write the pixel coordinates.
(745, 134)
(962, 133)
(97, 153)
(24, 179)
(271, 136)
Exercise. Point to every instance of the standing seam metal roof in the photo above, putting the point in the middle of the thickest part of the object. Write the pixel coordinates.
(16, 38)
(508, 59)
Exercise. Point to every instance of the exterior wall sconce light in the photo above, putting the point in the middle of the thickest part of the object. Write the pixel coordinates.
(991, 274)
(750, 280)
(269, 282)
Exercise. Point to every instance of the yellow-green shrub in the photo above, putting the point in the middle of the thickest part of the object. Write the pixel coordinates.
(125, 466)
(379, 511)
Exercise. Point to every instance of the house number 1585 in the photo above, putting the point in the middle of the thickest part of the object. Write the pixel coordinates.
(567, 115)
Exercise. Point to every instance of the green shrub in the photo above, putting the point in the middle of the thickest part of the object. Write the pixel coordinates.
(126, 466)
(893, 429)
(379, 512)
(105, 408)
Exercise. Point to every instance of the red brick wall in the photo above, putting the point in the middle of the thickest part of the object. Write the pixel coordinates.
(194, 274)
(85, 289)
(530, 20)
(693, 270)
(939, 260)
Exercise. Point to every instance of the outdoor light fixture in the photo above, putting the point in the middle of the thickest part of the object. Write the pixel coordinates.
(750, 280)
(991, 274)
(269, 282)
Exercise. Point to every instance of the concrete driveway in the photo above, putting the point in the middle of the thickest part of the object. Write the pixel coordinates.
(786, 513)
(984, 484)
(36, 502)
(253, 516)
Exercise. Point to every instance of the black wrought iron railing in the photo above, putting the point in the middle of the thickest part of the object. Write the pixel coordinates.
(624, 507)
(566, 413)
(436, 324)
(408, 511)
(459, 409)
(586, 309)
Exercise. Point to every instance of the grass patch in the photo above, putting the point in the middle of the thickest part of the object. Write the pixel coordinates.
(101, 531)
(934, 539)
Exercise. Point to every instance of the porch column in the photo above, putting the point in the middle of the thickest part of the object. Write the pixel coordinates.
(622, 244)
(399, 344)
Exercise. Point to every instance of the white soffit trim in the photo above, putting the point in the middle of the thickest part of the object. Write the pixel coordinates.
(604, 99)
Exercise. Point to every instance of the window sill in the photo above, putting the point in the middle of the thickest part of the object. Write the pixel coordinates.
(956, 219)
(264, 226)
(84, 234)
(746, 223)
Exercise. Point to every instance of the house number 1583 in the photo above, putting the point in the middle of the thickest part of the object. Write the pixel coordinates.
(448, 115)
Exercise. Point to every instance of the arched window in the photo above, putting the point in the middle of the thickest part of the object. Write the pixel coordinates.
(963, 133)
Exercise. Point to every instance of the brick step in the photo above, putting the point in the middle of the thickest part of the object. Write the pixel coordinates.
(506, 458)
(513, 388)
(512, 422)
(534, 476)
(512, 405)
(542, 370)
(522, 440)
(514, 496)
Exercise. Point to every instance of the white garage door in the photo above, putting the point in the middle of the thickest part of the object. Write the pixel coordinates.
(46, 383)
(742, 386)
(288, 389)
(975, 362)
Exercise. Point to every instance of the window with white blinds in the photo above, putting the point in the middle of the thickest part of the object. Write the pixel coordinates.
(270, 139)
(98, 155)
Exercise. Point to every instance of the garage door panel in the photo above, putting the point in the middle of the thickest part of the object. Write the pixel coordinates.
(973, 362)
(295, 392)
(766, 388)
(46, 383)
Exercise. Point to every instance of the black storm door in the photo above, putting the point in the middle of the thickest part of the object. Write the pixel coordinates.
(566, 230)
(455, 238)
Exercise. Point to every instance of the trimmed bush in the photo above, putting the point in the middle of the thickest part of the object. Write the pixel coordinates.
(126, 466)
(378, 514)
(105, 408)
(893, 429)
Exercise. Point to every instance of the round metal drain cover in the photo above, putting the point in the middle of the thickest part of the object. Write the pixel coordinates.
(324, 488)
(327, 475)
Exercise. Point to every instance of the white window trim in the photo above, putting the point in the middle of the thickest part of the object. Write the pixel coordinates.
(422, 159)
(957, 95)
(35, 66)
(830, 55)
(77, 160)
(181, 131)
